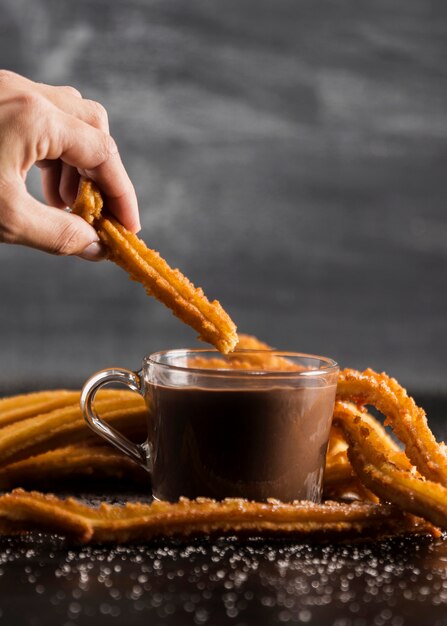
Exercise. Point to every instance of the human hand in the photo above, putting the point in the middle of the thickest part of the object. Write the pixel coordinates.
(66, 136)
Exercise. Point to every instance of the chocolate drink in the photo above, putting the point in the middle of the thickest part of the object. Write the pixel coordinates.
(255, 444)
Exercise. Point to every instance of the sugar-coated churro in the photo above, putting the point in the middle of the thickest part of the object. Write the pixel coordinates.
(146, 266)
(20, 407)
(407, 420)
(125, 410)
(388, 472)
(75, 462)
(144, 522)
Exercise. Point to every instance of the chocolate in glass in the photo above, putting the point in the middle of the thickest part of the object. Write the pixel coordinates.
(235, 441)
(253, 424)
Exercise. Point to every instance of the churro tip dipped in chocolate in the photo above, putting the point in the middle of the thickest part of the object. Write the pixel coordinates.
(147, 267)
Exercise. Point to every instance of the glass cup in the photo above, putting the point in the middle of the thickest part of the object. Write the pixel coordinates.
(220, 432)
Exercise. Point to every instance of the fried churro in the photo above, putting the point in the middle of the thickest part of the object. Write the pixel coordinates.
(388, 472)
(72, 463)
(26, 405)
(144, 522)
(124, 410)
(146, 266)
(407, 420)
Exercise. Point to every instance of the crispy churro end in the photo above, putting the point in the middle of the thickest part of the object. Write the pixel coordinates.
(88, 203)
(223, 337)
(225, 345)
(231, 343)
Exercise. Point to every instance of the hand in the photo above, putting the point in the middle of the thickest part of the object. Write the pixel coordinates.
(65, 136)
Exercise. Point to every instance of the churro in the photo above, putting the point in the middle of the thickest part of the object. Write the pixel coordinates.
(407, 420)
(124, 410)
(72, 463)
(144, 522)
(26, 405)
(146, 266)
(388, 472)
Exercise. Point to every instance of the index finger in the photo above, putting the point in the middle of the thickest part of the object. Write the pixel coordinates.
(95, 154)
(117, 188)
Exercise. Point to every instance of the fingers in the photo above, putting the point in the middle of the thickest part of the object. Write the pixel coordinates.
(59, 182)
(25, 221)
(66, 98)
(95, 155)
(120, 197)
(51, 174)
(70, 101)
(111, 177)
(68, 184)
(75, 130)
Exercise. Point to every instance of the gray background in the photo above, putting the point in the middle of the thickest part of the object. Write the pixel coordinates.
(289, 157)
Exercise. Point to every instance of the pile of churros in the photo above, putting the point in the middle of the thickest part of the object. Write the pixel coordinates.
(372, 486)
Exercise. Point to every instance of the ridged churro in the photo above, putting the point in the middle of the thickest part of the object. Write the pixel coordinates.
(144, 522)
(146, 266)
(388, 472)
(407, 420)
(69, 463)
(125, 410)
(26, 405)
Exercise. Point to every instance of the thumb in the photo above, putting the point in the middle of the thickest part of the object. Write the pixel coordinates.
(28, 222)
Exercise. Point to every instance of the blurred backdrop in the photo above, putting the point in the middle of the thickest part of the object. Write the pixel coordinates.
(290, 156)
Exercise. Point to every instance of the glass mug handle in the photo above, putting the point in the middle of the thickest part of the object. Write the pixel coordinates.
(133, 380)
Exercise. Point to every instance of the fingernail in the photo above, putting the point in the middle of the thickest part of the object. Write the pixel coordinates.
(93, 252)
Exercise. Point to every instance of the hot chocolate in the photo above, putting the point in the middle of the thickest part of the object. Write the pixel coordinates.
(257, 444)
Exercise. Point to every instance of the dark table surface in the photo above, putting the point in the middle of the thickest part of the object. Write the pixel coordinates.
(397, 582)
